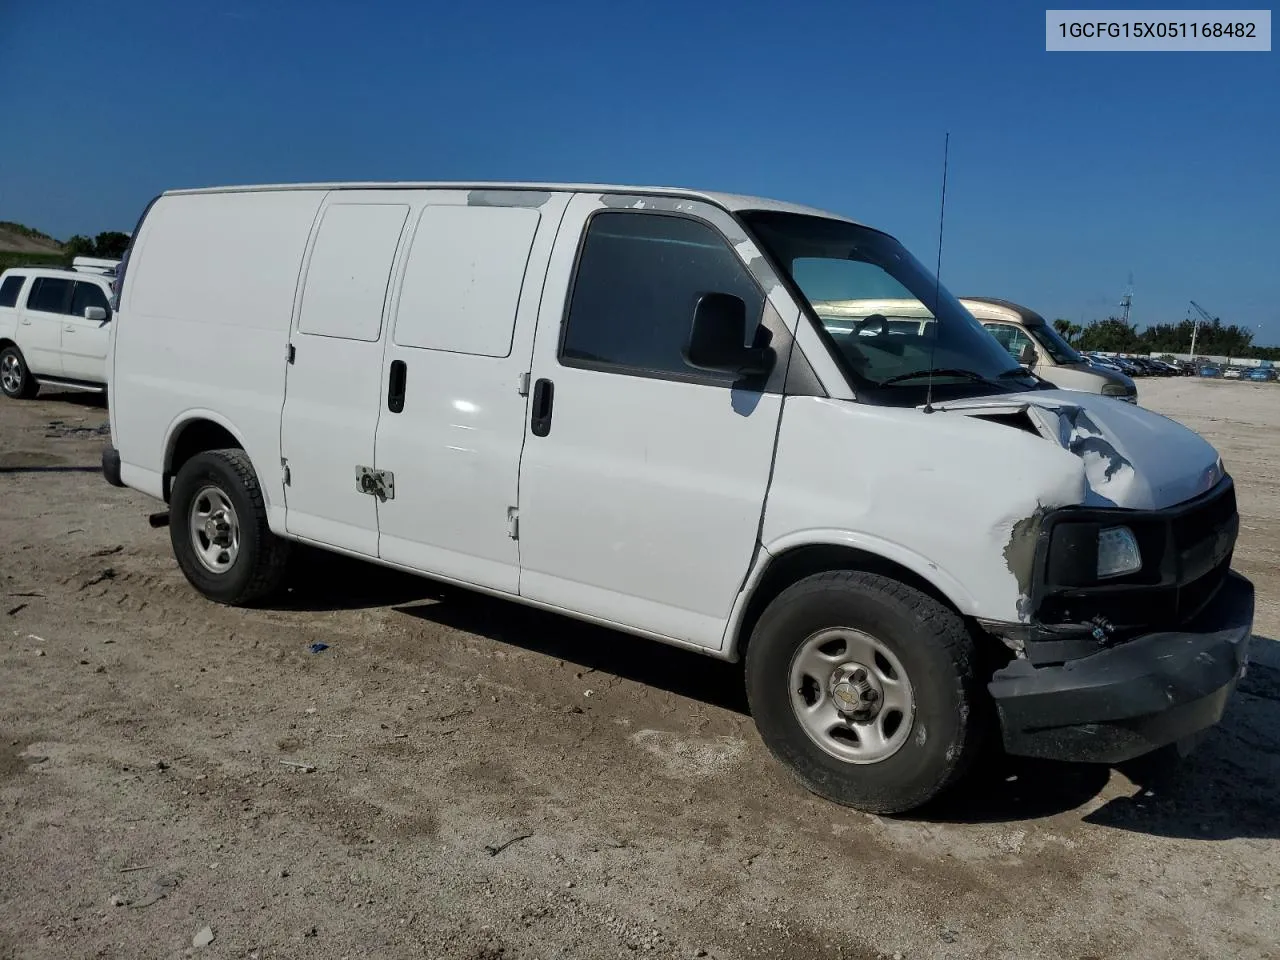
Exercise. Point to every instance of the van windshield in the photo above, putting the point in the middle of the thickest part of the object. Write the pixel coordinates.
(873, 301)
(1053, 343)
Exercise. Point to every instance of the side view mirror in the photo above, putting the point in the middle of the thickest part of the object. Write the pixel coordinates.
(1028, 356)
(97, 314)
(718, 338)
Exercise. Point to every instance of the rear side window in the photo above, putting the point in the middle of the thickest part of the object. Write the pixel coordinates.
(349, 270)
(463, 279)
(639, 278)
(49, 294)
(88, 295)
(9, 290)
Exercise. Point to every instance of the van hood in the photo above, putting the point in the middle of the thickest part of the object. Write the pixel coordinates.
(1133, 458)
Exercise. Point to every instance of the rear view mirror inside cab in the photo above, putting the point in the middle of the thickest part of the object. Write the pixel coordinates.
(718, 338)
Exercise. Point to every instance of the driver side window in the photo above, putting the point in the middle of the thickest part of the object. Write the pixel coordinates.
(88, 295)
(1009, 337)
(639, 278)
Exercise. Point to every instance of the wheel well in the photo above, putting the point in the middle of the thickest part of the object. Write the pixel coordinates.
(6, 342)
(800, 562)
(195, 437)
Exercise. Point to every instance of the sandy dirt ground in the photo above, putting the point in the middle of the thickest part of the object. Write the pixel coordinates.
(458, 777)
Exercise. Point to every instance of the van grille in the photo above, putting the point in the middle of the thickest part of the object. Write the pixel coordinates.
(1187, 552)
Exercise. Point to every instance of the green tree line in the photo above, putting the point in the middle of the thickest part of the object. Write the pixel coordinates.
(1213, 339)
(109, 244)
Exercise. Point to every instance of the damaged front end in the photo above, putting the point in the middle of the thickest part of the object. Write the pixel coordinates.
(1107, 668)
(1132, 628)
(1070, 606)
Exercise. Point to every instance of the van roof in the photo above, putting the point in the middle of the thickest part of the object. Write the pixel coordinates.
(993, 308)
(729, 201)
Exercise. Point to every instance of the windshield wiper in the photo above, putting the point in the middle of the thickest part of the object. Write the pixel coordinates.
(943, 372)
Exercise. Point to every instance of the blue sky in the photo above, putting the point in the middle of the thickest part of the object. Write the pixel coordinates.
(1068, 171)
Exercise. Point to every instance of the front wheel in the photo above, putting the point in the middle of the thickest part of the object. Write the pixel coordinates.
(218, 528)
(866, 689)
(15, 378)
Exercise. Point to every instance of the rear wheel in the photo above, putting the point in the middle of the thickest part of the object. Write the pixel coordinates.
(218, 528)
(866, 689)
(15, 379)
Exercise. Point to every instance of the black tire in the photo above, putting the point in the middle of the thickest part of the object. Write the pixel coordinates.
(27, 385)
(259, 566)
(933, 646)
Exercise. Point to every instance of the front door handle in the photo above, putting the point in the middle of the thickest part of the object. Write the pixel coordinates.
(544, 392)
(396, 385)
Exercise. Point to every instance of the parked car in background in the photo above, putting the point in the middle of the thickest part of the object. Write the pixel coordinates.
(1210, 370)
(54, 329)
(1127, 366)
(1142, 365)
(1232, 373)
(1261, 374)
(1033, 342)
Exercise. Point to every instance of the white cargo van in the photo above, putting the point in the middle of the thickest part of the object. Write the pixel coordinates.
(620, 403)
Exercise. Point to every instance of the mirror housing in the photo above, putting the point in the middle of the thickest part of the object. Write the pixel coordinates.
(97, 314)
(1028, 356)
(718, 337)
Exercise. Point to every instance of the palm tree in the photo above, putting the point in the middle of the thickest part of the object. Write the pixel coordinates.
(1068, 329)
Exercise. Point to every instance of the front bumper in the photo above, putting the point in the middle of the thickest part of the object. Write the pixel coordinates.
(1138, 696)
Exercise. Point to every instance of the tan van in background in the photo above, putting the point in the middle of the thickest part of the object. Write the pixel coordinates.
(1033, 342)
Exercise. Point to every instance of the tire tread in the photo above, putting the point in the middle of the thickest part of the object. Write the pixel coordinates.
(30, 385)
(272, 555)
(949, 631)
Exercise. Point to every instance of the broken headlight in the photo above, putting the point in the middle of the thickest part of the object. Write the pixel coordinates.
(1118, 552)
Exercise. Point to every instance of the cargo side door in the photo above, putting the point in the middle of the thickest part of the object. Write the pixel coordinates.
(334, 369)
(456, 374)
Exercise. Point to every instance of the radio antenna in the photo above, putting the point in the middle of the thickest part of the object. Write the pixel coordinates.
(937, 275)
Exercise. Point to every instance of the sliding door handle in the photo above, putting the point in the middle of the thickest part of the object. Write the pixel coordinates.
(544, 392)
(396, 385)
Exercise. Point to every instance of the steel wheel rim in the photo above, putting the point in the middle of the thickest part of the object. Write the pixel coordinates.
(215, 529)
(10, 373)
(851, 695)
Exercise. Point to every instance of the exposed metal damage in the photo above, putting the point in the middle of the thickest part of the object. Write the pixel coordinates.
(1108, 437)
(1020, 554)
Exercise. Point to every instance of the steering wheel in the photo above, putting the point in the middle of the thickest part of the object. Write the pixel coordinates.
(875, 325)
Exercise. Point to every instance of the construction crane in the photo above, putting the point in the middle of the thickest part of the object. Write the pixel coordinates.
(1195, 329)
(1127, 301)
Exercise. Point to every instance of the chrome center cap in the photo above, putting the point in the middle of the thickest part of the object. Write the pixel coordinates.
(855, 691)
(217, 530)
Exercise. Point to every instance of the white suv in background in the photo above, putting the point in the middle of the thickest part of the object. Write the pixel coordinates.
(54, 329)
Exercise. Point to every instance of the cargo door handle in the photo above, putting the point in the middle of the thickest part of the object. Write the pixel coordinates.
(544, 392)
(396, 385)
